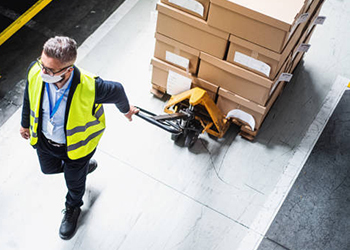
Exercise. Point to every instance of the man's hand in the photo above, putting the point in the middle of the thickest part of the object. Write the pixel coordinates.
(131, 112)
(24, 133)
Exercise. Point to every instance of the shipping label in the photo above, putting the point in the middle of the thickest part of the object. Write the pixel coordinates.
(177, 83)
(320, 20)
(252, 63)
(244, 116)
(303, 48)
(191, 5)
(284, 77)
(302, 19)
(177, 60)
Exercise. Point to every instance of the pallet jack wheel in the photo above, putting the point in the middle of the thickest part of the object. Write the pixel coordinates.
(190, 139)
(175, 137)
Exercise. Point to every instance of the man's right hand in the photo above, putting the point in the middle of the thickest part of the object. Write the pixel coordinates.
(24, 133)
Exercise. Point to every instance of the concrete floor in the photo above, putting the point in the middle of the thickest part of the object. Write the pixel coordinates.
(315, 215)
(149, 193)
(77, 21)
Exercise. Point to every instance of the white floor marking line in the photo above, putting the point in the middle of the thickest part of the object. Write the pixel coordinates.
(264, 219)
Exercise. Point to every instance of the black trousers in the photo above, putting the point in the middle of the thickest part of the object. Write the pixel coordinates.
(54, 160)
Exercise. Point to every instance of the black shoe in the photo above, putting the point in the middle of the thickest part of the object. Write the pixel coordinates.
(69, 222)
(92, 166)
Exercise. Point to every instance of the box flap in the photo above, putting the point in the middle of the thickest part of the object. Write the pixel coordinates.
(205, 85)
(166, 67)
(191, 20)
(236, 70)
(177, 44)
(194, 7)
(277, 13)
(242, 101)
(254, 47)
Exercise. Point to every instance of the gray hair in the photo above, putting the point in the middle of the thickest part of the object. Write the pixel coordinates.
(62, 48)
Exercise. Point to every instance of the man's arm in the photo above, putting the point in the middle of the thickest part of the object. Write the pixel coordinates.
(24, 129)
(25, 122)
(113, 92)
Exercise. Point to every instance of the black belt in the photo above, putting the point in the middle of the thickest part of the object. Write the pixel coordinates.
(55, 144)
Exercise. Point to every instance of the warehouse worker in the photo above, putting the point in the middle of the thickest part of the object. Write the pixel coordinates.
(64, 119)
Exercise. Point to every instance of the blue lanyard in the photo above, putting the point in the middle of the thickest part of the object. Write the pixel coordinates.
(58, 102)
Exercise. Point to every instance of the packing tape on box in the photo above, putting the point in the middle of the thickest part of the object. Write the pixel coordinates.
(177, 60)
(284, 77)
(303, 48)
(177, 50)
(191, 5)
(254, 54)
(177, 83)
(243, 116)
(252, 63)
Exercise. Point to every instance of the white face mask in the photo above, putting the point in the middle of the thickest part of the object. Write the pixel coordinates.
(51, 79)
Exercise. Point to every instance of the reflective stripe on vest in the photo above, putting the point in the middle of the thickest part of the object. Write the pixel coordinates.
(78, 129)
(35, 86)
(83, 128)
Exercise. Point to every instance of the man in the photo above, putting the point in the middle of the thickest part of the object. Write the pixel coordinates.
(64, 119)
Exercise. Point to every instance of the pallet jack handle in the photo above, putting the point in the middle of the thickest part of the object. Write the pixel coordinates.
(161, 123)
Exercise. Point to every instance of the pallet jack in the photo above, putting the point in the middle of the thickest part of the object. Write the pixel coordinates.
(188, 115)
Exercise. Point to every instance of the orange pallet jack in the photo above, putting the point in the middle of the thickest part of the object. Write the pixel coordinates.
(188, 115)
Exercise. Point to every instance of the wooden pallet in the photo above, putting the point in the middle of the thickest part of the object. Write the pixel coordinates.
(246, 131)
(158, 91)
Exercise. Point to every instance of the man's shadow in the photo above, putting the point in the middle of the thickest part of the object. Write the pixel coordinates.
(91, 196)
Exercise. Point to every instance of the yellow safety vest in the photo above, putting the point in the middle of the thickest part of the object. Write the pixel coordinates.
(84, 128)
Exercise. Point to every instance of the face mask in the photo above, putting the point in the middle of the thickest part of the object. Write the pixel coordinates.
(51, 79)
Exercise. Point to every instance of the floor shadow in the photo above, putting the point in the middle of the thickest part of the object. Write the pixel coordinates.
(293, 112)
(201, 146)
(91, 196)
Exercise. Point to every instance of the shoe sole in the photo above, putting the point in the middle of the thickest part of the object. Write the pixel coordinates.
(68, 237)
(63, 237)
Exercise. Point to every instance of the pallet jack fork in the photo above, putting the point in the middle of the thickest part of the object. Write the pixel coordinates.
(189, 114)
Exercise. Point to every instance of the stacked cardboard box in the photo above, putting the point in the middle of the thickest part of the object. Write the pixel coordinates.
(241, 51)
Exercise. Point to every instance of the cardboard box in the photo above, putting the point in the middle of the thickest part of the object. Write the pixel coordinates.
(255, 58)
(299, 54)
(261, 60)
(270, 24)
(191, 30)
(228, 101)
(198, 8)
(235, 79)
(211, 89)
(177, 54)
(160, 78)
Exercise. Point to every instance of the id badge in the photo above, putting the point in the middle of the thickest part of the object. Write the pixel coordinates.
(50, 127)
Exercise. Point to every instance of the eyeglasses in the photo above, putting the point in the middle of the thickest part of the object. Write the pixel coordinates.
(48, 70)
